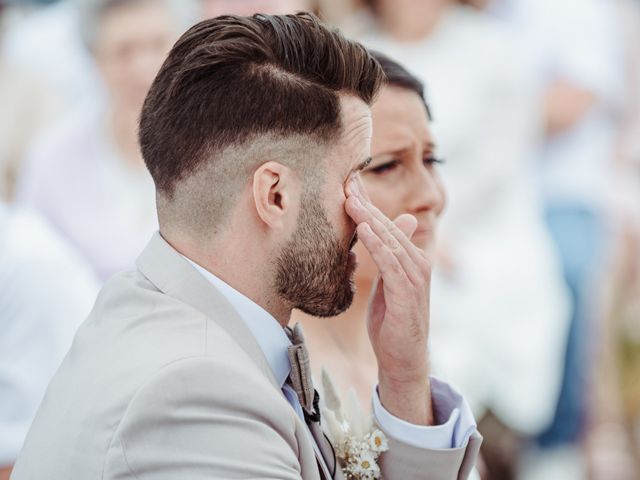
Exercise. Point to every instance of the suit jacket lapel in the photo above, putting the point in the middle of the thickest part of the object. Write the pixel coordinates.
(176, 277)
(326, 453)
(163, 266)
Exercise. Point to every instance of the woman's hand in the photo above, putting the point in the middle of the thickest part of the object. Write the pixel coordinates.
(398, 316)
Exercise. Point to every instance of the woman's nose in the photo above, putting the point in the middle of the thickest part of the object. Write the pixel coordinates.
(427, 191)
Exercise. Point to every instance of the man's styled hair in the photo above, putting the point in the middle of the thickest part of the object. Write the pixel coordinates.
(235, 92)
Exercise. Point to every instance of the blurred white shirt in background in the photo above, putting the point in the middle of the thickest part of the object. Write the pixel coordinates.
(578, 41)
(46, 291)
(103, 206)
(46, 44)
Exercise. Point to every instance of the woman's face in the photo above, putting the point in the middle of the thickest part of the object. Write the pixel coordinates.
(132, 41)
(214, 8)
(403, 176)
(410, 19)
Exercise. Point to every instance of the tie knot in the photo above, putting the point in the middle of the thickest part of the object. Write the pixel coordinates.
(301, 381)
(295, 334)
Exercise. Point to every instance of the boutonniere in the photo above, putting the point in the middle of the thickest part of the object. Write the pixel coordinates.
(356, 440)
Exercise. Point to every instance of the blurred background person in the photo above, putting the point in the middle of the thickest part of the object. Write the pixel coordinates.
(46, 44)
(500, 308)
(579, 66)
(46, 291)
(613, 435)
(83, 173)
(86, 174)
(26, 107)
(214, 8)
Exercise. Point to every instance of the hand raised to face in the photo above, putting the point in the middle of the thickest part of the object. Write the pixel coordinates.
(398, 315)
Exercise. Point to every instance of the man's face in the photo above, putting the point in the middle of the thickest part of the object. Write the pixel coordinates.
(315, 268)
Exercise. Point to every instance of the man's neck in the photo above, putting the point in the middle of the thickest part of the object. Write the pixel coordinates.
(232, 266)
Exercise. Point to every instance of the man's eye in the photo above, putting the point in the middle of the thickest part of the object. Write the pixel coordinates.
(384, 168)
(431, 160)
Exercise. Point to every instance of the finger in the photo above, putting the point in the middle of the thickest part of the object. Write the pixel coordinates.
(391, 271)
(377, 305)
(395, 239)
(417, 255)
(360, 214)
(407, 224)
(354, 191)
(398, 234)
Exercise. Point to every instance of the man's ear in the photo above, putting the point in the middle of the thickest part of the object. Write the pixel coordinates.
(275, 187)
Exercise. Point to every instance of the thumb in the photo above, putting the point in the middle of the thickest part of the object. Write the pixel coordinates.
(407, 224)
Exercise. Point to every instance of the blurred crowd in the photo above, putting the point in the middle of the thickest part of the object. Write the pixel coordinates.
(536, 291)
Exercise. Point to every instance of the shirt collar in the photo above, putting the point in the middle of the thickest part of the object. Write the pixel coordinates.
(271, 337)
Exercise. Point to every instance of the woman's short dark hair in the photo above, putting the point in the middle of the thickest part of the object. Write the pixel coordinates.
(398, 76)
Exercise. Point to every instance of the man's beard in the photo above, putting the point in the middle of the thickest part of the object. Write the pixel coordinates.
(315, 270)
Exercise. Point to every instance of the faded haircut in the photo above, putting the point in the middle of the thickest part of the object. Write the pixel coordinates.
(235, 92)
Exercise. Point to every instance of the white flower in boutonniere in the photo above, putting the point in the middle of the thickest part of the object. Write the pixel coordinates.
(364, 466)
(357, 442)
(377, 441)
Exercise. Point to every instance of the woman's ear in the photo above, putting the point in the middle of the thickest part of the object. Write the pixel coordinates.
(275, 187)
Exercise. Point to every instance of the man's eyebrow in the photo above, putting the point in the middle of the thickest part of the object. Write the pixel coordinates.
(362, 166)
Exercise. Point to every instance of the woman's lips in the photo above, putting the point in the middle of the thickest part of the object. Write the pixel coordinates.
(423, 235)
(423, 231)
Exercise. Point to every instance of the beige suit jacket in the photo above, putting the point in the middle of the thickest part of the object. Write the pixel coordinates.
(164, 381)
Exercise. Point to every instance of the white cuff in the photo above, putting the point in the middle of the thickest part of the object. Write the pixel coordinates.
(454, 421)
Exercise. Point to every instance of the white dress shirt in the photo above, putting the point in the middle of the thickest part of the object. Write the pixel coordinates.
(455, 425)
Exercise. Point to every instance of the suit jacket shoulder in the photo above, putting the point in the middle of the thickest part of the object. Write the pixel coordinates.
(163, 377)
(165, 381)
(203, 417)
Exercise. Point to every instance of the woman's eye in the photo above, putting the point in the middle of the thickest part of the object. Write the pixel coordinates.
(431, 160)
(384, 168)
